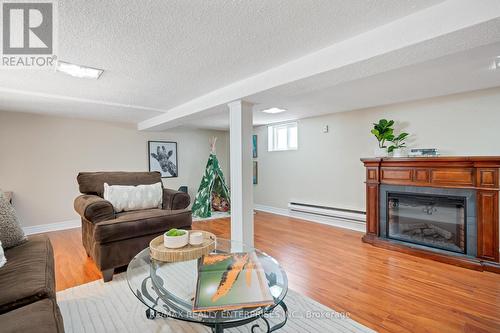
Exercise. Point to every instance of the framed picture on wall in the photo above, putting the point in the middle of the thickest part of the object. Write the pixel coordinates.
(162, 157)
(255, 173)
(254, 146)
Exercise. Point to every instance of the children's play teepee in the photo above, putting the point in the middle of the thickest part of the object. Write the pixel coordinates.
(212, 185)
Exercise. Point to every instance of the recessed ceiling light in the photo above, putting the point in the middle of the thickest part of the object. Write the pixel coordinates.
(78, 70)
(274, 110)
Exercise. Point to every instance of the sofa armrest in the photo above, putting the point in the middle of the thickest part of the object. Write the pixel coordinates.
(94, 208)
(175, 200)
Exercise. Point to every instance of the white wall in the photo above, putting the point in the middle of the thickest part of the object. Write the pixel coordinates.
(326, 169)
(40, 157)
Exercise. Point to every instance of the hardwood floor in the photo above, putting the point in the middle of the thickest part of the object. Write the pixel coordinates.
(385, 290)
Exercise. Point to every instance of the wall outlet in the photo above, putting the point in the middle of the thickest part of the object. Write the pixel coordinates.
(325, 129)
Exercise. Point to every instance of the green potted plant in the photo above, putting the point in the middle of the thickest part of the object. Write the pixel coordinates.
(383, 131)
(398, 145)
(175, 238)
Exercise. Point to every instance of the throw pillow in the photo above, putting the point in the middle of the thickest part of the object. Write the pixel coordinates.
(11, 233)
(2, 256)
(127, 198)
(219, 203)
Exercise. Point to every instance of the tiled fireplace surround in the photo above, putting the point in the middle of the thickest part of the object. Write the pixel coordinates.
(470, 208)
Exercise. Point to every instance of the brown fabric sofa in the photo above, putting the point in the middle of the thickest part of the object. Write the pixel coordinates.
(113, 239)
(27, 289)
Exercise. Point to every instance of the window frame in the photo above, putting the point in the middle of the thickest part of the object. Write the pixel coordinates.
(272, 136)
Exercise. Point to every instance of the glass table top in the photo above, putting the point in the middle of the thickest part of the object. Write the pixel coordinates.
(169, 288)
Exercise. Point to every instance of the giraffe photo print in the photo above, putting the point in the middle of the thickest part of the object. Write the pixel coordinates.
(163, 158)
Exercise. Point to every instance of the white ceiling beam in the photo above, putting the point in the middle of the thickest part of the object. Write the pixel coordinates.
(56, 97)
(433, 22)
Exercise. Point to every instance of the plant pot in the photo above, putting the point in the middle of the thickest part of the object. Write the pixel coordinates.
(380, 152)
(175, 242)
(399, 152)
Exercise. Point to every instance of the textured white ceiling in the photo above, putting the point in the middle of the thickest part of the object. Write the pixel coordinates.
(442, 30)
(159, 54)
(455, 73)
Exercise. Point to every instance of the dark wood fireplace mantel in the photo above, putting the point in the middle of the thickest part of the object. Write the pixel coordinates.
(479, 173)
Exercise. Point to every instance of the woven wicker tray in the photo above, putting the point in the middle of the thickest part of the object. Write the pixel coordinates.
(189, 252)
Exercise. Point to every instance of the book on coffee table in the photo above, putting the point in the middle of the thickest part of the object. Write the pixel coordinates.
(231, 281)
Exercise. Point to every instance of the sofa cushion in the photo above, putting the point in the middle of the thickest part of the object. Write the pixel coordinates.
(41, 317)
(93, 182)
(139, 223)
(28, 275)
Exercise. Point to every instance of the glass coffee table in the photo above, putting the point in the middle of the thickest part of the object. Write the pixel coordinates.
(168, 290)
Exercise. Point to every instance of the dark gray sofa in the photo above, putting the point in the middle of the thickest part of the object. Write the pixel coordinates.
(27, 289)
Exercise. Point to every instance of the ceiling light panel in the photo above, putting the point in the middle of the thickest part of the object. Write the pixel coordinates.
(273, 110)
(78, 70)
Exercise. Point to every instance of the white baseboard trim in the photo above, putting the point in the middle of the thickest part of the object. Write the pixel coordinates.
(37, 229)
(341, 223)
(274, 210)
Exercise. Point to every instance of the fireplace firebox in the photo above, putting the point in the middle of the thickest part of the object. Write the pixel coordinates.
(437, 219)
(430, 220)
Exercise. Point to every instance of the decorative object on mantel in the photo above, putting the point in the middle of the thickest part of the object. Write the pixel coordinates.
(189, 252)
(398, 147)
(383, 131)
(415, 152)
(468, 187)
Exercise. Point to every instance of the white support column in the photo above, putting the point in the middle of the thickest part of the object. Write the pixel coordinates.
(240, 134)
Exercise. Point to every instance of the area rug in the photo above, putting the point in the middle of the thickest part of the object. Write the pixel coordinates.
(111, 307)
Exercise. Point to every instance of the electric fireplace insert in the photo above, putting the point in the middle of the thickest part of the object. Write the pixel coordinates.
(437, 221)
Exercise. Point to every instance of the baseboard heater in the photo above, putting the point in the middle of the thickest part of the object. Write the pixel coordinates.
(350, 215)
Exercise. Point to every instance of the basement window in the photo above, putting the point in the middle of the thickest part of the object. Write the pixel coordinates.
(282, 137)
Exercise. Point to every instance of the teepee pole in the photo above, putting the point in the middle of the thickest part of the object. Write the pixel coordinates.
(212, 143)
